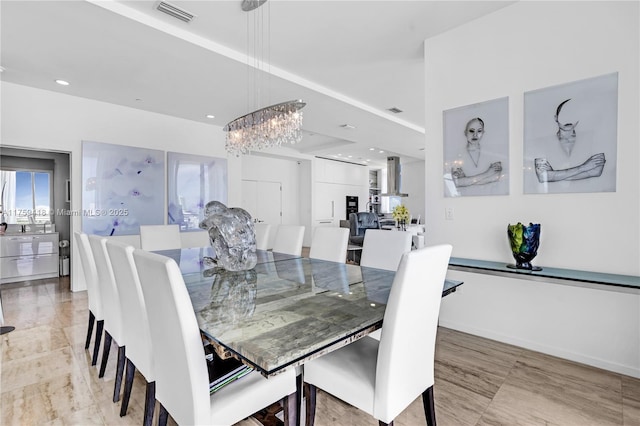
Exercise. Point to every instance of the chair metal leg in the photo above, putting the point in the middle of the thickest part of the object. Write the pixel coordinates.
(149, 403)
(163, 416)
(92, 320)
(128, 384)
(311, 405)
(381, 423)
(96, 346)
(299, 396)
(105, 353)
(291, 410)
(119, 370)
(429, 406)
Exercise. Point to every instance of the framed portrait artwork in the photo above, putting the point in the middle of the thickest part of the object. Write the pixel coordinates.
(122, 188)
(476, 149)
(570, 137)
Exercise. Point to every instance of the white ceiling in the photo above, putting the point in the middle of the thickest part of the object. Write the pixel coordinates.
(349, 60)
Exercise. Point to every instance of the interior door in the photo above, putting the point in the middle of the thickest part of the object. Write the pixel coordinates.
(263, 200)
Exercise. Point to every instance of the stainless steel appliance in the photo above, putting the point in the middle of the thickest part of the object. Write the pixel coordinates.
(352, 205)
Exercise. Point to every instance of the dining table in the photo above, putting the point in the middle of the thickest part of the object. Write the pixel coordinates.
(288, 309)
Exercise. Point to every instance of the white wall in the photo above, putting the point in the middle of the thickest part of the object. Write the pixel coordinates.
(527, 46)
(40, 119)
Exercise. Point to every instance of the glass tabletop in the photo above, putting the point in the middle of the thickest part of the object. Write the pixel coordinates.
(281, 312)
(287, 309)
(192, 260)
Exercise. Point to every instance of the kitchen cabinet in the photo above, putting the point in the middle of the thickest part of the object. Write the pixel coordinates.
(28, 256)
(375, 199)
(331, 201)
(330, 171)
(334, 181)
(327, 197)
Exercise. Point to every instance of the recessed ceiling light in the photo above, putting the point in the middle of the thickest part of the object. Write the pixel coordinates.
(211, 116)
(62, 82)
(381, 152)
(372, 149)
(351, 156)
(1, 69)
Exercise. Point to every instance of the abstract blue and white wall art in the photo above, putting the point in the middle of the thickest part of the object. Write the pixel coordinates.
(122, 188)
(193, 181)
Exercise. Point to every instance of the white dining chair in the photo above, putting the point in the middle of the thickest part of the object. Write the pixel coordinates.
(111, 309)
(182, 385)
(383, 249)
(160, 237)
(263, 230)
(135, 327)
(329, 243)
(194, 239)
(289, 239)
(132, 240)
(93, 294)
(382, 378)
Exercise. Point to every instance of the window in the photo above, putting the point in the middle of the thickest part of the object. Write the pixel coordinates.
(26, 196)
(394, 202)
(193, 181)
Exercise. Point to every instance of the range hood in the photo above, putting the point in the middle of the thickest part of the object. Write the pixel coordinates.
(393, 178)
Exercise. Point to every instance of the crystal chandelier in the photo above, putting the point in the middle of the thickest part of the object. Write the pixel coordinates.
(266, 127)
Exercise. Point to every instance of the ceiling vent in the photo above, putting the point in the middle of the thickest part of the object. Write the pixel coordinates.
(175, 11)
(395, 110)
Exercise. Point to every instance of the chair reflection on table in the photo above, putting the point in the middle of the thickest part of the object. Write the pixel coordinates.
(329, 276)
(291, 270)
(375, 287)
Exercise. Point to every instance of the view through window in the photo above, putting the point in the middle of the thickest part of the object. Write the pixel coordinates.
(26, 196)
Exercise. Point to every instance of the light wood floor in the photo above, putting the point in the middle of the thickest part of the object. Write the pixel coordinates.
(47, 378)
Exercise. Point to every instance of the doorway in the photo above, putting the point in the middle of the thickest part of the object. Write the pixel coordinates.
(17, 158)
(263, 200)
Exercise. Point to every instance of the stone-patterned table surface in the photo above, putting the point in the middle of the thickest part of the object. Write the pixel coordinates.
(286, 310)
(282, 313)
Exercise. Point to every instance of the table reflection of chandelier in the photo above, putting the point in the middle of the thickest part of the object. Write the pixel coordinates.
(270, 126)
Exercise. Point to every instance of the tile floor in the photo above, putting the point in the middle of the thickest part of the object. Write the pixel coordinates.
(46, 377)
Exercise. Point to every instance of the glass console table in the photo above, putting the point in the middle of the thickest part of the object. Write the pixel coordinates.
(563, 276)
